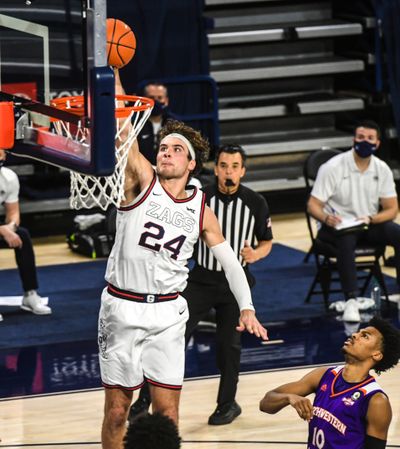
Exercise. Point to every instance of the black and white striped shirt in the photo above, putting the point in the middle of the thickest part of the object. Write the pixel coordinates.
(242, 216)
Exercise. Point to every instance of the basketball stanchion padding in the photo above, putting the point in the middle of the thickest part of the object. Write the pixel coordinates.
(6, 125)
(88, 191)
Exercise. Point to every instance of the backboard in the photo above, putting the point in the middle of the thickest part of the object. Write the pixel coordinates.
(51, 49)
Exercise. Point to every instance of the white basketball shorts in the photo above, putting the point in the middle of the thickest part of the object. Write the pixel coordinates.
(141, 340)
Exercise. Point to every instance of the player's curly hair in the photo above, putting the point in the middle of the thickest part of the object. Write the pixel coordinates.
(152, 432)
(390, 344)
(199, 143)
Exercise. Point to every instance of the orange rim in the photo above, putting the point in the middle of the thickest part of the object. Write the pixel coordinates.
(76, 105)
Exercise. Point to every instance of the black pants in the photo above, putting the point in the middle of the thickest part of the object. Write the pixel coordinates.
(201, 298)
(25, 259)
(387, 233)
(208, 290)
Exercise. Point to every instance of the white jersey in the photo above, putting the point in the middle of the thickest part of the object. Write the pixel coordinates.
(9, 186)
(350, 192)
(154, 241)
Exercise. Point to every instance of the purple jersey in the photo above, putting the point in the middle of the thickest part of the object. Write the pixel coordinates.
(339, 411)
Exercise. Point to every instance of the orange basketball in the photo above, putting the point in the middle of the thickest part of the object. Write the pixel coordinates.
(121, 43)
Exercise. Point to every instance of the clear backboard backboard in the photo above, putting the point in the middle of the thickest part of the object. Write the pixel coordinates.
(51, 49)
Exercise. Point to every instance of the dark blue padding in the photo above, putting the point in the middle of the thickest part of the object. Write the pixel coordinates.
(193, 100)
(171, 39)
(388, 12)
(102, 101)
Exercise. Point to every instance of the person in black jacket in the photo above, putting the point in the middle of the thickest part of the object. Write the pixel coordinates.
(148, 138)
(246, 224)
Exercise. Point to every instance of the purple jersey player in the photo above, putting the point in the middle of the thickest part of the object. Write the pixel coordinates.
(339, 411)
(350, 410)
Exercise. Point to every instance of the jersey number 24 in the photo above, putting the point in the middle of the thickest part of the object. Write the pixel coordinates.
(156, 233)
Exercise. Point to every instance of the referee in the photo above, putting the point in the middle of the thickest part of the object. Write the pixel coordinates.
(245, 222)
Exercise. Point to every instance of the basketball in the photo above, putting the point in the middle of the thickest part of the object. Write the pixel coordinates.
(121, 43)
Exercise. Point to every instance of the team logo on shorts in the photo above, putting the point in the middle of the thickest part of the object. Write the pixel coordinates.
(102, 339)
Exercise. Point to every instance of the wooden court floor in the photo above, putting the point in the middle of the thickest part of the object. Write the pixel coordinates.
(73, 419)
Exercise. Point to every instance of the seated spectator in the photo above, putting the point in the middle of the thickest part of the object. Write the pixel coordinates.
(356, 186)
(148, 138)
(14, 236)
(152, 432)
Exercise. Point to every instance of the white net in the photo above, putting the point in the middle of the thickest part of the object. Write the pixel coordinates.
(88, 191)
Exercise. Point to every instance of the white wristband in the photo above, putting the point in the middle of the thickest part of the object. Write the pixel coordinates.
(234, 274)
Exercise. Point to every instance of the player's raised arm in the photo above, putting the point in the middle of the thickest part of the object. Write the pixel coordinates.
(139, 172)
(222, 251)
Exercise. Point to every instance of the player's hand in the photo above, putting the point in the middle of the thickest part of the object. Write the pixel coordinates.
(248, 253)
(302, 406)
(333, 220)
(366, 220)
(13, 240)
(248, 321)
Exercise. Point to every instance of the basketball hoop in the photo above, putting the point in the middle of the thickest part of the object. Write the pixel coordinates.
(89, 191)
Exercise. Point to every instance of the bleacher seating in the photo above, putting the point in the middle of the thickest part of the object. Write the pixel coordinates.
(283, 89)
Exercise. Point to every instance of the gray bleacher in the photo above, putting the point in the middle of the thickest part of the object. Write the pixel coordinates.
(276, 65)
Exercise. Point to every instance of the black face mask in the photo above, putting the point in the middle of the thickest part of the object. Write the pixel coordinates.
(158, 109)
(364, 149)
